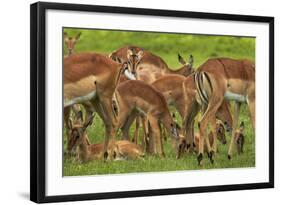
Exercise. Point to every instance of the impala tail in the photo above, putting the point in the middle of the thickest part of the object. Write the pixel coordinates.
(203, 87)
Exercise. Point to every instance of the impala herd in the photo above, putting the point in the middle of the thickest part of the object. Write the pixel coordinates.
(134, 85)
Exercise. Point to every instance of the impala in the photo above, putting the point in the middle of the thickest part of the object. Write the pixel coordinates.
(86, 152)
(148, 66)
(70, 42)
(191, 109)
(135, 96)
(92, 78)
(224, 78)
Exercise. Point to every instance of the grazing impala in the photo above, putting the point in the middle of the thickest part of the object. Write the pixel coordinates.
(70, 42)
(170, 86)
(136, 96)
(224, 78)
(92, 77)
(86, 152)
(148, 66)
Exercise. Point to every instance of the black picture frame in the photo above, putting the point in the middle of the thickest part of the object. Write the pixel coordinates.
(38, 101)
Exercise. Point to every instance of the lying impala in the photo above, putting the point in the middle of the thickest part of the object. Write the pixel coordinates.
(224, 78)
(148, 66)
(70, 42)
(92, 77)
(86, 152)
(135, 96)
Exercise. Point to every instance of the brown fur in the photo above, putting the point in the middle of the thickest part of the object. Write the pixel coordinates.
(152, 63)
(87, 72)
(136, 95)
(220, 136)
(122, 149)
(239, 138)
(225, 74)
(70, 42)
(230, 68)
(192, 108)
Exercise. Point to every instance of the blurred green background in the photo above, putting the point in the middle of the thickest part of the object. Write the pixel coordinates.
(167, 46)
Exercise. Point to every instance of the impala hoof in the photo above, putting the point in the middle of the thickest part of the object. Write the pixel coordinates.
(105, 155)
(211, 156)
(229, 157)
(199, 159)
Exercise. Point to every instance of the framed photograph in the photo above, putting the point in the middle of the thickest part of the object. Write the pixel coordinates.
(129, 102)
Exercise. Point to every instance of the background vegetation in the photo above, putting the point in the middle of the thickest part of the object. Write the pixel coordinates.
(166, 46)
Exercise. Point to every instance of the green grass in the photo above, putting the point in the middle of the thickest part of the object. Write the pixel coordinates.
(167, 46)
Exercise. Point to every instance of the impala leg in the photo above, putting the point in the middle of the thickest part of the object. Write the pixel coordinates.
(237, 107)
(66, 115)
(145, 132)
(214, 131)
(110, 123)
(126, 127)
(190, 113)
(156, 134)
(150, 141)
(252, 109)
(208, 117)
(252, 106)
(136, 134)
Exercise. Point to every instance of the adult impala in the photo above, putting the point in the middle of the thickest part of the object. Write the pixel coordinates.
(224, 78)
(136, 96)
(70, 42)
(148, 66)
(92, 77)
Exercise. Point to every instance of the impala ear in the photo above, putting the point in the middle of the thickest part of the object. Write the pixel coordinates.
(78, 36)
(140, 54)
(129, 52)
(124, 66)
(65, 37)
(117, 59)
(181, 60)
